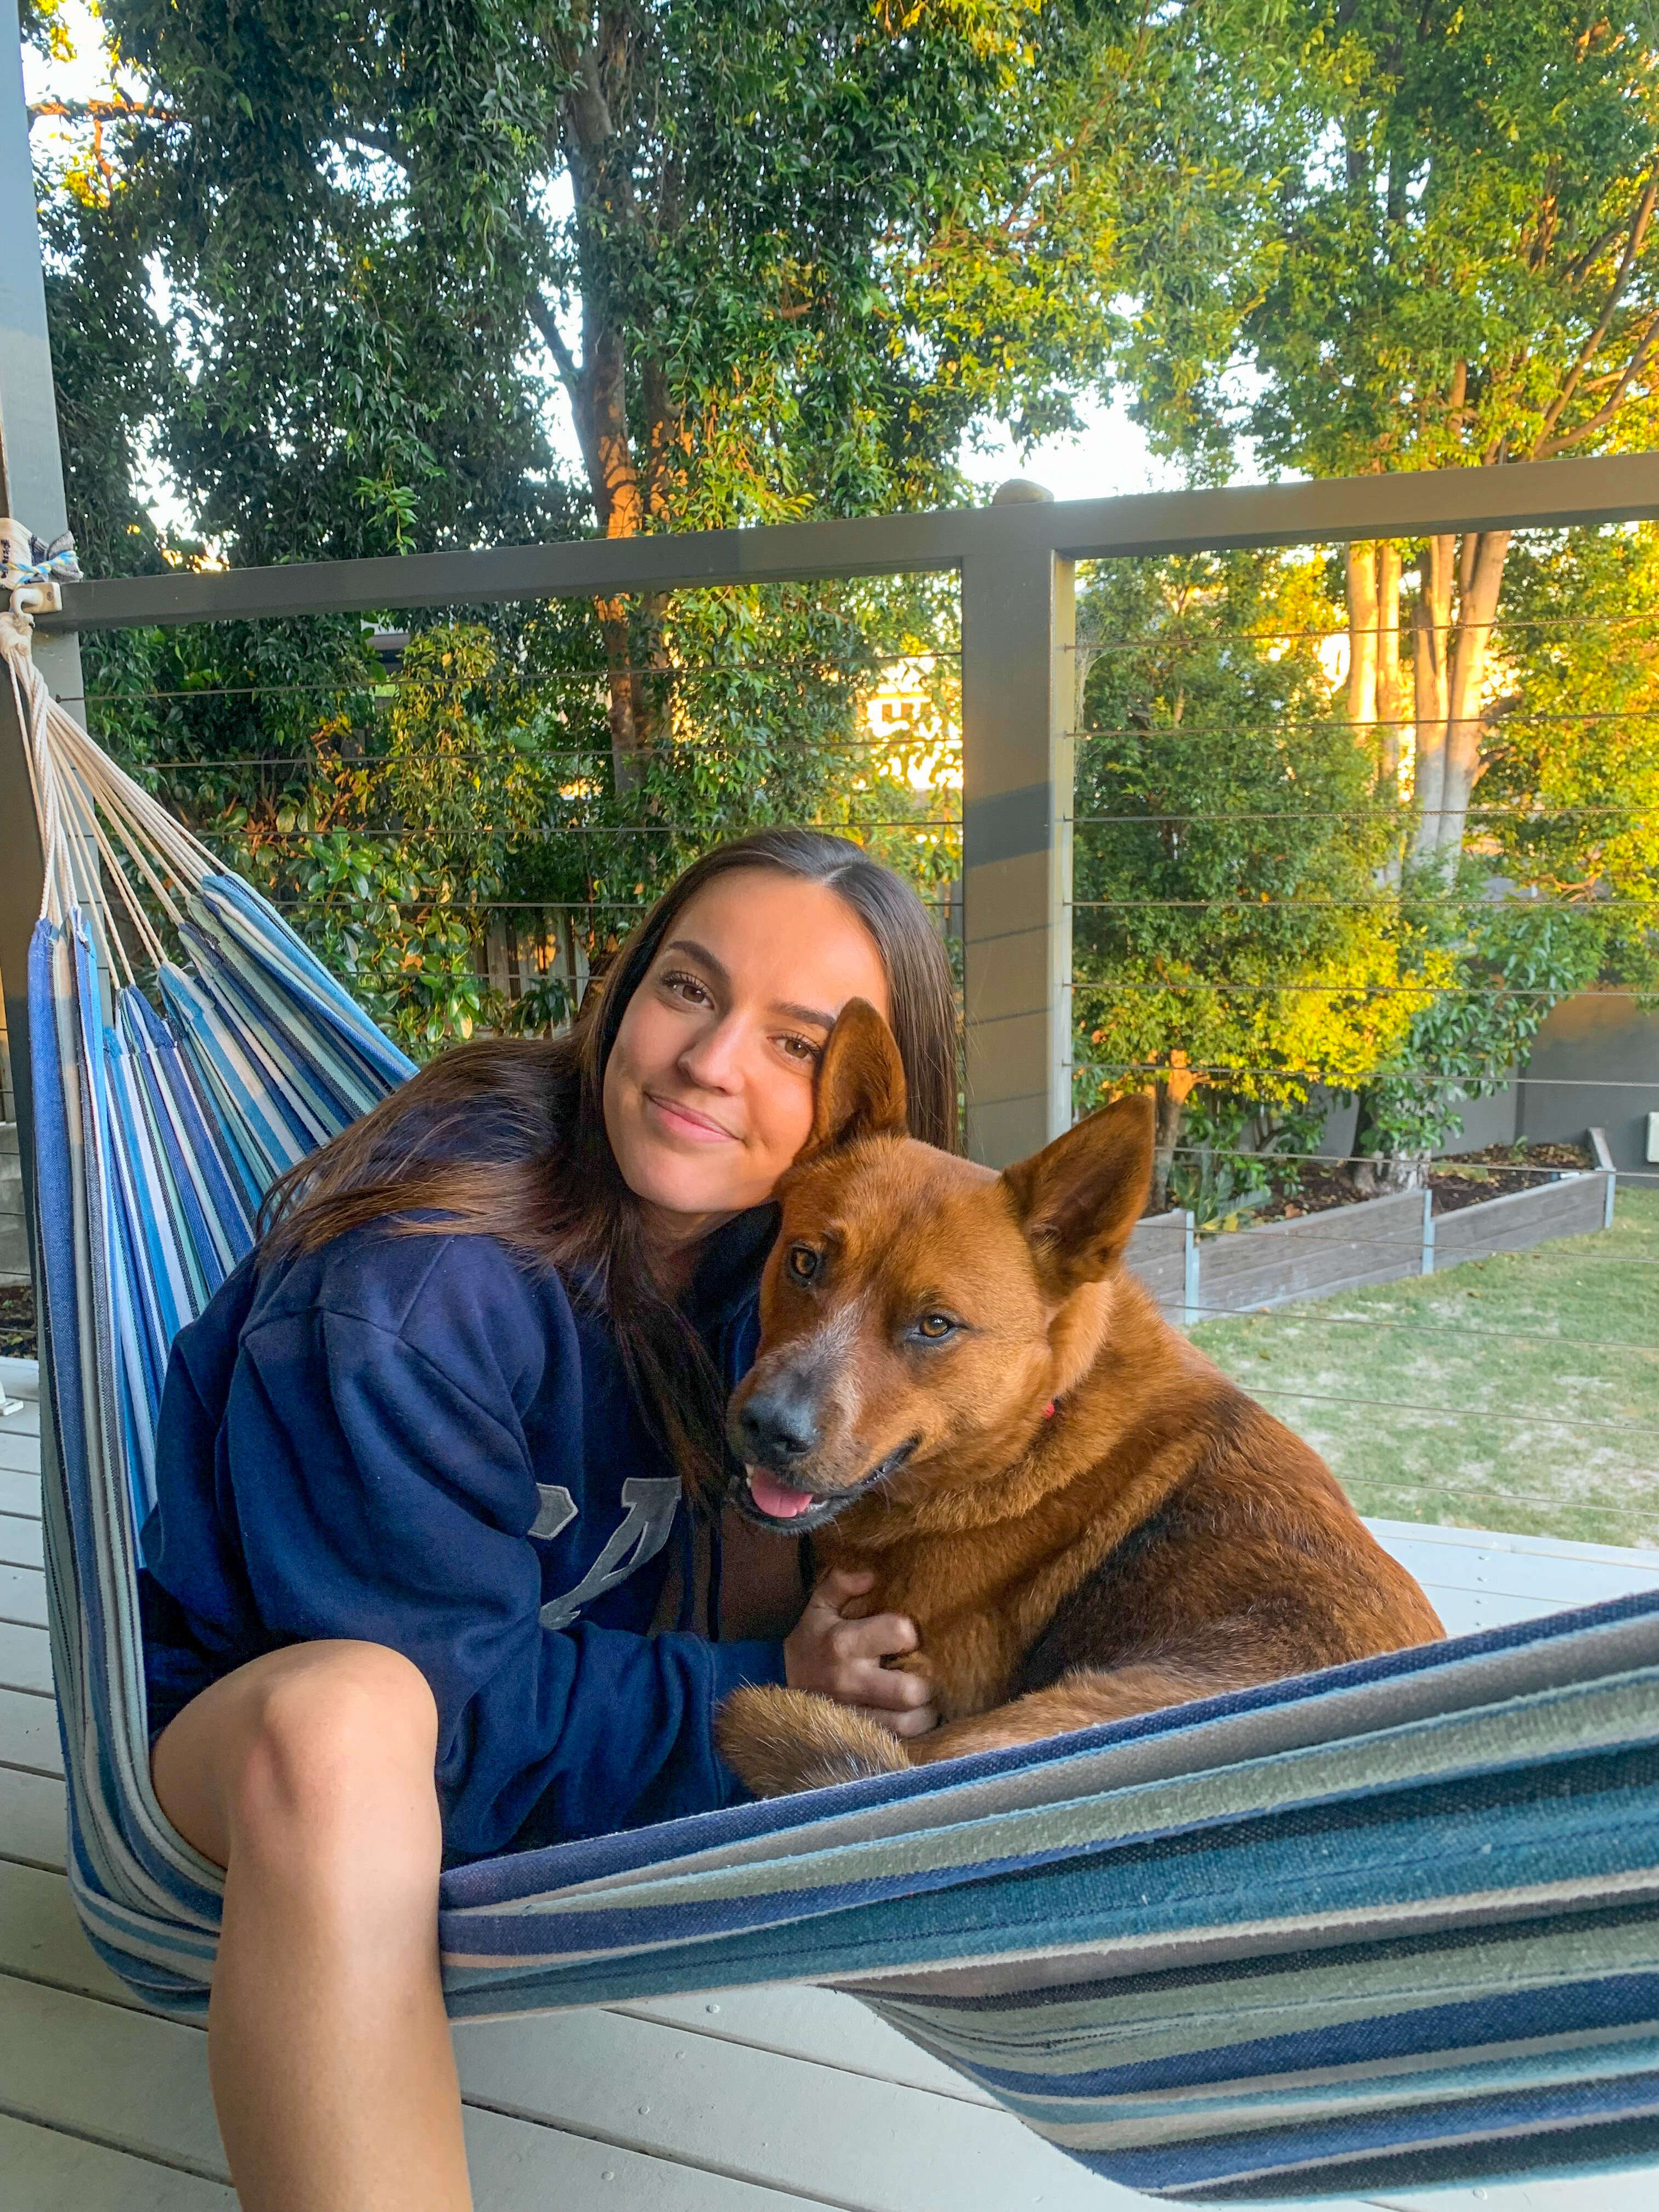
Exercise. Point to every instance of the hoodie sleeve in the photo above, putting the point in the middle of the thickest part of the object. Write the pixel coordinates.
(384, 1489)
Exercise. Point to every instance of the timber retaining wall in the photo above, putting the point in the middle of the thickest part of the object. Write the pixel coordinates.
(1348, 1248)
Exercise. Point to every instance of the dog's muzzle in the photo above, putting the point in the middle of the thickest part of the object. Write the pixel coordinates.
(778, 1499)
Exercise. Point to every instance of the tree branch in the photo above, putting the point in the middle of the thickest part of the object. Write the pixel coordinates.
(378, 142)
(541, 313)
(100, 110)
(1592, 345)
(1546, 450)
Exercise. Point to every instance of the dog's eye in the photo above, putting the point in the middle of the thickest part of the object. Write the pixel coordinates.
(802, 1262)
(934, 1326)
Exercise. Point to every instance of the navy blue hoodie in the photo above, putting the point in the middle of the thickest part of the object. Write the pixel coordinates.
(418, 1441)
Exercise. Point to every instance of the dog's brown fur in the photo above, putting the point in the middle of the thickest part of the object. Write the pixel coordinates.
(1158, 1537)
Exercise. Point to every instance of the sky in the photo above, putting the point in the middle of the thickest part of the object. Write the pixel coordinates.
(1110, 457)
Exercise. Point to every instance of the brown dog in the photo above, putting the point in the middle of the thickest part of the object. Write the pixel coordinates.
(961, 1388)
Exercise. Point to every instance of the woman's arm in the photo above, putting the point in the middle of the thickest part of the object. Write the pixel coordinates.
(372, 1465)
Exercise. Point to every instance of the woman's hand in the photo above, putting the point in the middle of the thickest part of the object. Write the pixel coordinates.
(831, 1652)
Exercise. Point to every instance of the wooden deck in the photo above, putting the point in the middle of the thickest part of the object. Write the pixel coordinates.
(759, 2101)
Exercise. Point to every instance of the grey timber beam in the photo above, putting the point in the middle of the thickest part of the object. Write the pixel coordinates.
(1539, 495)
(1018, 675)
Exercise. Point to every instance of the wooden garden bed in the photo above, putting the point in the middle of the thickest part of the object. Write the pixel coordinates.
(1377, 1239)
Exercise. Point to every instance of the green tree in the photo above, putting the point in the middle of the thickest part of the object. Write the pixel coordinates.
(1570, 798)
(775, 263)
(1231, 941)
(1447, 255)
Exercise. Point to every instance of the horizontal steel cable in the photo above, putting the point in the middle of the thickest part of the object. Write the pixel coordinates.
(1371, 1484)
(386, 679)
(1463, 1414)
(1448, 1163)
(1375, 1245)
(1380, 812)
(1302, 1316)
(525, 905)
(1212, 636)
(1313, 1075)
(1326, 990)
(1267, 903)
(541, 832)
(855, 749)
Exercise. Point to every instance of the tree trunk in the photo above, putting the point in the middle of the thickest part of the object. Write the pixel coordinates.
(1374, 1172)
(1170, 1093)
(1362, 634)
(623, 495)
(1430, 625)
(1480, 580)
(1390, 691)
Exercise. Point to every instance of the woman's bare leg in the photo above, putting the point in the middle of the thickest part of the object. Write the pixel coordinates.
(308, 1775)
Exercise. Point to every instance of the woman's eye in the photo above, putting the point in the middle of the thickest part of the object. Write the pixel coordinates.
(934, 1326)
(798, 1048)
(686, 987)
(801, 1263)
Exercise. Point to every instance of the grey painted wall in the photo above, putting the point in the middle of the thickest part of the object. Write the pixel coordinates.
(1594, 1064)
(1597, 1061)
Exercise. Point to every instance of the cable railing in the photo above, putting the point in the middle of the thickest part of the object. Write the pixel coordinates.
(1048, 788)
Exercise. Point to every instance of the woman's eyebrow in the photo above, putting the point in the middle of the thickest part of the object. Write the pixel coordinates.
(721, 973)
(717, 968)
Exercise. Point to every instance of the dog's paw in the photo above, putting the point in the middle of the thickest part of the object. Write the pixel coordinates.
(917, 1663)
(781, 1741)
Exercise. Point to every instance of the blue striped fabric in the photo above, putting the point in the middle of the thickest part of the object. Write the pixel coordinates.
(1388, 1926)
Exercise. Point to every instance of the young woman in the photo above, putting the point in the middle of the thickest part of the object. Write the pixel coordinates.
(426, 1472)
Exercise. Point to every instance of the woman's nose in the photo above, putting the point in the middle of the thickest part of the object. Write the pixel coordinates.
(713, 1059)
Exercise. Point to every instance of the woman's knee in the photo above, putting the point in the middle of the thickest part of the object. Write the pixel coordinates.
(339, 1733)
(304, 1753)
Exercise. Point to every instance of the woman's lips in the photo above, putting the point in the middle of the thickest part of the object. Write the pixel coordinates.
(686, 1121)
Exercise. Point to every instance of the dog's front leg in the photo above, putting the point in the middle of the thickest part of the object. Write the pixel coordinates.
(781, 1741)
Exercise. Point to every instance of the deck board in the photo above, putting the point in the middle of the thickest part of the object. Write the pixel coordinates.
(28, 1733)
(138, 2085)
(759, 2101)
(23, 1596)
(25, 1658)
(19, 1450)
(807, 2023)
(20, 1493)
(1476, 1579)
(19, 1542)
(47, 2171)
(32, 1827)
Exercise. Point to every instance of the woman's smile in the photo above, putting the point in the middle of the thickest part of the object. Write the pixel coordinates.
(682, 1121)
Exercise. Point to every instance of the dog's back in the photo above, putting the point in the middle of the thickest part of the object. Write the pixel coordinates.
(1253, 1559)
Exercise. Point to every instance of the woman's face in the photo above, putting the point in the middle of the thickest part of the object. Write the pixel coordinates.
(709, 1088)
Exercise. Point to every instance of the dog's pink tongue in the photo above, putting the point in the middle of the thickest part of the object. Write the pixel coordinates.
(772, 1497)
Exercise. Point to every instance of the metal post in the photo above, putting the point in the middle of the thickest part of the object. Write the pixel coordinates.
(32, 490)
(1191, 1278)
(1018, 690)
(30, 459)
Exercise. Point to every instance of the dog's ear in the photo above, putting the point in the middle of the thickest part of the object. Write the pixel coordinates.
(1078, 1199)
(860, 1085)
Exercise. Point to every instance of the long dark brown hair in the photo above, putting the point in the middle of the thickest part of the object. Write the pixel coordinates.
(550, 1188)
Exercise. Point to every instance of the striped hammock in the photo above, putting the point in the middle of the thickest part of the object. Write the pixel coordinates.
(1392, 1925)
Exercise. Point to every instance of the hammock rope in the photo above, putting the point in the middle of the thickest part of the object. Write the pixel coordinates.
(1386, 1927)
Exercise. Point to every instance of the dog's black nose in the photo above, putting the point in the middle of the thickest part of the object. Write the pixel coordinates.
(776, 1426)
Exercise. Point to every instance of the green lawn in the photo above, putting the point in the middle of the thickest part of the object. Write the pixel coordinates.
(1521, 1392)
